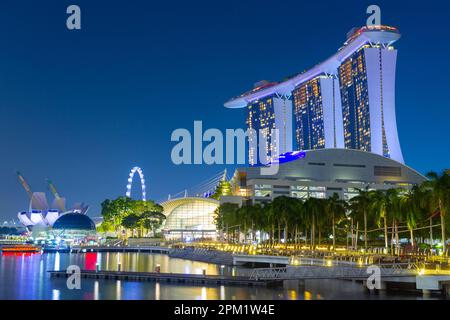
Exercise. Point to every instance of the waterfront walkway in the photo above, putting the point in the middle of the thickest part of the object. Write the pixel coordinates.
(333, 272)
(203, 255)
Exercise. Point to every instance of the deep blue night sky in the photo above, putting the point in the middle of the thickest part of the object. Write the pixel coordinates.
(83, 107)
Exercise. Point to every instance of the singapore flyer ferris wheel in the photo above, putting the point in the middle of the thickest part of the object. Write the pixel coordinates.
(130, 181)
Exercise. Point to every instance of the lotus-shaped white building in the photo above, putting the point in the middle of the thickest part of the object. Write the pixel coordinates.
(40, 213)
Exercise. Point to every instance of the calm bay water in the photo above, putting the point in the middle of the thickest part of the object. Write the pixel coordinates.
(25, 277)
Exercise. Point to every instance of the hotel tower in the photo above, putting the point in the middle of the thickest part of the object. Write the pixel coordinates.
(347, 101)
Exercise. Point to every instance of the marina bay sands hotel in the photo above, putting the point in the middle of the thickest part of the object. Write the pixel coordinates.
(347, 101)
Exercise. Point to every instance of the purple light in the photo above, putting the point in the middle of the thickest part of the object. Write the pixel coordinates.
(291, 156)
(286, 157)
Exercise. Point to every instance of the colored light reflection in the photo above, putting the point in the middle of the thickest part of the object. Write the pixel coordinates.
(90, 260)
(308, 295)
(18, 254)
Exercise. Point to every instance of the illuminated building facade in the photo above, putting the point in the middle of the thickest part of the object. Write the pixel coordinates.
(348, 101)
(316, 114)
(265, 115)
(261, 118)
(355, 102)
(308, 110)
(189, 218)
(321, 173)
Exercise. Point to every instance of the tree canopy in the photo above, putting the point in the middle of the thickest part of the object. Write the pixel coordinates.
(134, 215)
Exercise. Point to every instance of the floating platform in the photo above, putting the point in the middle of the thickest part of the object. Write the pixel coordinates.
(148, 249)
(55, 250)
(175, 278)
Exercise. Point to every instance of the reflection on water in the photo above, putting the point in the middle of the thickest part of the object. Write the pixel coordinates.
(118, 290)
(157, 291)
(56, 266)
(55, 294)
(96, 288)
(222, 292)
(26, 277)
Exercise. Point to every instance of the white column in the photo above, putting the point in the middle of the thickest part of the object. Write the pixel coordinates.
(389, 58)
(372, 58)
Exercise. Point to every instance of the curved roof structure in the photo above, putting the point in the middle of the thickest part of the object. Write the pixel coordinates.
(193, 215)
(170, 205)
(342, 165)
(376, 34)
(74, 221)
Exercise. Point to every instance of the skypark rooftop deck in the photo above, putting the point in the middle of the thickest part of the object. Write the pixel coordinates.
(384, 35)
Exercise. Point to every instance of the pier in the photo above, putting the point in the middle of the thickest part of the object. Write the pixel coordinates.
(175, 278)
(148, 249)
(401, 276)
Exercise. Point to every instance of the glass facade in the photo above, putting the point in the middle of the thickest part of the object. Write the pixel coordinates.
(191, 218)
(261, 118)
(308, 113)
(355, 102)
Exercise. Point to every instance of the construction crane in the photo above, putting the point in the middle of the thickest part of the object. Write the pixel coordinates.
(60, 201)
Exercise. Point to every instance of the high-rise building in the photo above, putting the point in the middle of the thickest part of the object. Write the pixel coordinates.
(264, 115)
(348, 101)
(316, 112)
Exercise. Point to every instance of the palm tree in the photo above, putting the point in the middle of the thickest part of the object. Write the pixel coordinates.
(410, 204)
(425, 203)
(285, 208)
(334, 210)
(439, 185)
(379, 205)
(255, 218)
(270, 219)
(395, 212)
(360, 206)
(242, 220)
(352, 215)
(225, 216)
(313, 207)
(298, 219)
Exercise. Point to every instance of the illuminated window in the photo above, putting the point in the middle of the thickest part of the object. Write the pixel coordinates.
(263, 193)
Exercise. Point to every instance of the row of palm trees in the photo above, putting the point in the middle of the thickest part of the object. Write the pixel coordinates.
(386, 212)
